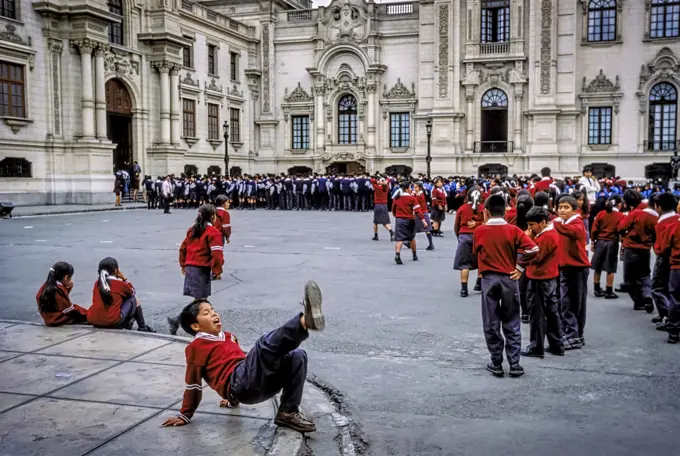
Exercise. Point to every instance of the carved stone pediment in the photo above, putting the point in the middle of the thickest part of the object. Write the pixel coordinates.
(236, 92)
(601, 84)
(188, 80)
(399, 91)
(665, 66)
(298, 95)
(10, 34)
(345, 23)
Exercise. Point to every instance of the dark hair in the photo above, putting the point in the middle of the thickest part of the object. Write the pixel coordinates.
(108, 266)
(205, 215)
(47, 301)
(545, 172)
(220, 200)
(666, 201)
(495, 204)
(187, 317)
(585, 207)
(524, 205)
(568, 199)
(537, 214)
(632, 198)
(612, 202)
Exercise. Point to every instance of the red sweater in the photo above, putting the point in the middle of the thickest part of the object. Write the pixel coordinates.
(405, 206)
(605, 226)
(496, 245)
(546, 264)
(439, 197)
(223, 222)
(65, 313)
(511, 215)
(572, 250)
(664, 230)
(206, 251)
(100, 315)
(463, 216)
(541, 186)
(420, 198)
(212, 358)
(638, 227)
(379, 192)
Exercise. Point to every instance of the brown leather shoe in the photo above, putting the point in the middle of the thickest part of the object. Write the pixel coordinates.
(295, 421)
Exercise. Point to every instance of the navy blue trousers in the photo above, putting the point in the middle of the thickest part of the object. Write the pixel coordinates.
(574, 291)
(660, 279)
(636, 274)
(544, 312)
(674, 302)
(500, 309)
(274, 364)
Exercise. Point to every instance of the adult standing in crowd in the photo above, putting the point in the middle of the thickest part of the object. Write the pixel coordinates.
(590, 184)
(167, 190)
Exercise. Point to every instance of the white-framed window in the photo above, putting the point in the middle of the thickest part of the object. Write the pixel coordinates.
(664, 19)
(300, 126)
(600, 125)
(601, 20)
(495, 26)
(663, 117)
(400, 129)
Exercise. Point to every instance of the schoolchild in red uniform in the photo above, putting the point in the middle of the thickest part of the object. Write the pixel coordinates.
(439, 207)
(638, 229)
(469, 217)
(672, 249)
(496, 245)
(223, 218)
(583, 211)
(114, 304)
(665, 205)
(419, 195)
(574, 266)
(544, 183)
(381, 215)
(275, 364)
(543, 272)
(524, 204)
(405, 209)
(54, 302)
(605, 246)
(201, 255)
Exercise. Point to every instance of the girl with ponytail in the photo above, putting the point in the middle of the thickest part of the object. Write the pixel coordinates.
(114, 301)
(201, 255)
(518, 216)
(469, 217)
(54, 302)
(605, 247)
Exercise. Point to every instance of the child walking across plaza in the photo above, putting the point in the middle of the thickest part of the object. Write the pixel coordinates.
(114, 301)
(381, 214)
(605, 246)
(223, 218)
(275, 364)
(405, 209)
(201, 254)
(665, 205)
(419, 194)
(54, 301)
(469, 217)
(439, 207)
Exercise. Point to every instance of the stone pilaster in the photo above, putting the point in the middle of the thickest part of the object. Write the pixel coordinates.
(100, 91)
(175, 106)
(163, 68)
(86, 46)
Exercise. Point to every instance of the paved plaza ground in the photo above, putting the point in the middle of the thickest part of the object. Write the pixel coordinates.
(402, 353)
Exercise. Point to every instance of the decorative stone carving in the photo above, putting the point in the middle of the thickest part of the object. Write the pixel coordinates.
(443, 63)
(664, 67)
(399, 91)
(298, 95)
(85, 46)
(493, 77)
(213, 86)
(346, 24)
(266, 106)
(546, 44)
(188, 80)
(235, 92)
(56, 47)
(116, 61)
(10, 34)
(601, 84)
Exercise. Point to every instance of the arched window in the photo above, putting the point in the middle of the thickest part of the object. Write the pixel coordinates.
(665, 19)
(495, 98)
(663, 117)
(602, 20)
(347, 120)
(494, 132)
(116, 29)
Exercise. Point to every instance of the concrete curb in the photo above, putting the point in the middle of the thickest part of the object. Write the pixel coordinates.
(77, 211)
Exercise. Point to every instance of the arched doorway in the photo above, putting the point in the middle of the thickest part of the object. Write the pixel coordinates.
(352, 168)
(494, 122)
(398, 169)
(119, 122)
(657, 171)
(492, 169)
(601, 170)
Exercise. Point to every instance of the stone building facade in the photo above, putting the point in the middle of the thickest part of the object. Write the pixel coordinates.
(502, 85)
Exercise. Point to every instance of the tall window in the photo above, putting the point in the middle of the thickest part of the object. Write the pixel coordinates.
(213, 121)
(8, 8)
(233, 66)
(12, 90)
(400, 130)
(188, 56)
(300, 132)
(495, 21)
(115, 28)
(234, 125)
(600, 126)
(665, 19)
(347, 120)
(189, 118)
(663, 110)
(212, 59)
(602, 20)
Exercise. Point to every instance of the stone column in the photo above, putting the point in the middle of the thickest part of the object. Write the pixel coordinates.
(371, 115)
(320, 117)
(100, 91)
(174, 105)
(86, 46)
(164, 70)
(517, 141)
(469, 97)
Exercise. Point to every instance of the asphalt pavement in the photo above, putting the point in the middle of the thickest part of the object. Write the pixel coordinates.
(402, 354)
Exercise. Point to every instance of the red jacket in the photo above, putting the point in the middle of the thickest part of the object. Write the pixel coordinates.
(664, 230)
(546, 264)
(605, 226)
(496, 245)
(406, 206)
(206, 251)
(212, 358)
(66, 313)
(463, 216)
(541, 186)
(439, 197)
(99, 314)
(379, 192)
(223, 222)
(511, 215)
(638, 227)
(572, 249)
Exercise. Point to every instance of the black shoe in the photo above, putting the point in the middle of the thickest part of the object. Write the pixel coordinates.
(531, 352)
(557, 351)
(496, 369)
(662, 326)
(397, 259)
(314, 318)
(464, 293)
(146, 328)
(649, 305)
(657, 319)
(611, 296)
(407, 244)
(375, 238)
(582, 340)
(525, 319)
(391, 236)
(430, 247)
(598, 292)
(673, 338)
(516, 370)
(415, 257)
(572, 344)
(638, 306)
(478, 287)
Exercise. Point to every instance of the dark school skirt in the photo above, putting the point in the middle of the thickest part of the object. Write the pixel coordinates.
(381, 216)
(606, 257)
(464, 259)
(438, 215)
(419, 224)
(197, 282)
(404, 230)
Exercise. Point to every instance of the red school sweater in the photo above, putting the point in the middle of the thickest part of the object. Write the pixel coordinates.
(572, 249)
(406, 206)
(65, 310)
(464, 214)
(379, 192)
(205, 251)
(496, 245)
(439, 197)
(664, 230)
(223, 222)
(605, 226)
(639, 228)
(100, 315)
(546, 263)
(212, 358)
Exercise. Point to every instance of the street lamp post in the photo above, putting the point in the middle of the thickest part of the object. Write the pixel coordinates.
(428, 159)
(225, 130)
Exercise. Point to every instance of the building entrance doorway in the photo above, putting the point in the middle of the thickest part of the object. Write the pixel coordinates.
(352, 168)
(119, 123)
(494, 122)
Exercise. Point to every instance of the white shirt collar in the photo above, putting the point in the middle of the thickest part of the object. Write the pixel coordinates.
(546, 178)
(221, 209)
(209, 224)
(572, 218)
(202, 335)
(651, 211)
(667, 216)
(496, 221)
(548, 227)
